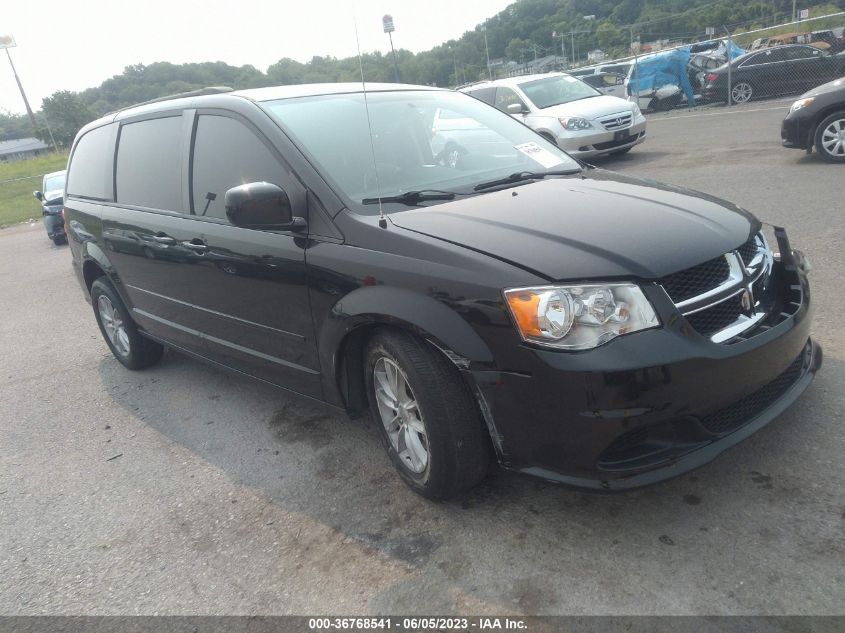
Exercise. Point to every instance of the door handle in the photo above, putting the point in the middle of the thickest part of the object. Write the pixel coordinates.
(197, 247)
(161, 238)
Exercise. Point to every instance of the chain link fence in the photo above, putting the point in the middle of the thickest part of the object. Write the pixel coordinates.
(734, 67)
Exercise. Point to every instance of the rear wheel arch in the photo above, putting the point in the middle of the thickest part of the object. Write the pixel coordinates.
(91, 271)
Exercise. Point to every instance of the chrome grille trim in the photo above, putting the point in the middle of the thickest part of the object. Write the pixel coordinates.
(741, 278)
(617, 121)
(735, 277)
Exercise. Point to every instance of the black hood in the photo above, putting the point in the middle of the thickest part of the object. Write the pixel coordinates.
(601, 226)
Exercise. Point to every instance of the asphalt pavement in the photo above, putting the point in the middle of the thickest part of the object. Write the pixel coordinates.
(185, 490)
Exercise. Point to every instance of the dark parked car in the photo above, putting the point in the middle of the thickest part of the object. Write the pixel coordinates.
(773, 71)
(519, 306)
(817, 120)
(51, 197)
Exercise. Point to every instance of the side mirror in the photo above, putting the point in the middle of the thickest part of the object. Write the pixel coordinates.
(260, 205)
(38, 195)
(515, 108)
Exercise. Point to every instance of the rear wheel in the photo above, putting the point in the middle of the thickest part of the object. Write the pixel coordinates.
(426, 416)
(742, 92)
(830, 138)
(119, 331)
(58, 240)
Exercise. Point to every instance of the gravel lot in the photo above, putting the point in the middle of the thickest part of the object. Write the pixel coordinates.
(186, 490)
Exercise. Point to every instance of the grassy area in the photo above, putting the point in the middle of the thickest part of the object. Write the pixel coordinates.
(18, 179)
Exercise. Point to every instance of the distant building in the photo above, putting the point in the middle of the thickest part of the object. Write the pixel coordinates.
(598, 55)
(545, 64)
(22, 148)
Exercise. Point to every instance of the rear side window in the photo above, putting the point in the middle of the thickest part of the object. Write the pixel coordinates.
(148, 164)
(227, 154)
(89, 165)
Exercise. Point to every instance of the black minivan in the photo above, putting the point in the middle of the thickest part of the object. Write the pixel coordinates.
(481, 294)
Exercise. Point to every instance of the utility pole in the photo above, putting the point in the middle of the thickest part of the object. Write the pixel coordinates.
(7, 42)
(794, 10)
(487, 50)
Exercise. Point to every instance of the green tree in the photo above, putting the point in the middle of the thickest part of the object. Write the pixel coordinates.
(66, 112)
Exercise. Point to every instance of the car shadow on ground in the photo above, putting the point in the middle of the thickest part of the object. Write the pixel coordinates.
(312, 460)
(637, 156)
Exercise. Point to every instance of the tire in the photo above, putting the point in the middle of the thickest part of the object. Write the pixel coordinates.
(830, 138)
(621, 152)
(119, 331)
(58, 240)
(441, 416)
(742, 92)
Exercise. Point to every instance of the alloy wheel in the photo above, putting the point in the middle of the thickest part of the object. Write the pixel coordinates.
(113, 325)
(400, 414)
(833, 138)
(741, 92)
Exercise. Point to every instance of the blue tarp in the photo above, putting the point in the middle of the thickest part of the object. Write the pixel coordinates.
(668, 68)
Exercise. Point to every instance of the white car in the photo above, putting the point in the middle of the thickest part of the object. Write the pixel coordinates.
(568, 112)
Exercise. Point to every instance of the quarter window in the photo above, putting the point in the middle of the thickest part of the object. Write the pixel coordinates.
(227, 154)
(89, 165)
(148, 164)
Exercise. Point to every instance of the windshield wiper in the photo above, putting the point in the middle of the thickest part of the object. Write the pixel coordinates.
(524, 175)
(412, 198)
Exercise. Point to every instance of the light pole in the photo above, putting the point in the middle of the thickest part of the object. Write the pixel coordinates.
(487, 50)
(7, 42)
(387, 23)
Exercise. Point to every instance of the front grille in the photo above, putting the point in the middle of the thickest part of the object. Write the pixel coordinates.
(696, 280)
(716, 317)
(734, 416)
(617, 121)
(748, 250)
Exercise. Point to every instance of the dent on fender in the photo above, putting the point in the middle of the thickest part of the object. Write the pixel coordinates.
(423, 313)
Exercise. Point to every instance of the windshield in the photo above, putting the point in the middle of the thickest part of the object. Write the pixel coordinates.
(54, 183)
(422, 140)
(557, 89)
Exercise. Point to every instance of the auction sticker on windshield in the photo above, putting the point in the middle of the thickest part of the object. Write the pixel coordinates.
(538, 154)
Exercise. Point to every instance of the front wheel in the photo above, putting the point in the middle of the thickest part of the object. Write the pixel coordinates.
(830, 138)
(119, 331)
(426, 416)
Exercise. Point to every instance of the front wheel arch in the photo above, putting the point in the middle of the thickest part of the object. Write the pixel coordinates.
(348, 374)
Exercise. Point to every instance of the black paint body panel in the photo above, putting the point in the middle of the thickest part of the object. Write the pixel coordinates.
(282, 305)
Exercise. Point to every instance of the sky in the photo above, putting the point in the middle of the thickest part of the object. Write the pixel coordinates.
(75, 45)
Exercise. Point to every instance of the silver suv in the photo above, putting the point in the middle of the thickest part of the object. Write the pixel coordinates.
(568, 112)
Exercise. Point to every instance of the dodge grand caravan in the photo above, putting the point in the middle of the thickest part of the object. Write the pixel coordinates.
(502, 303)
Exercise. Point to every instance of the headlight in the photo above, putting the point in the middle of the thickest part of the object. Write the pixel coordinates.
(801, 103)
(575, 123)
(637, 111)
(579, 317)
